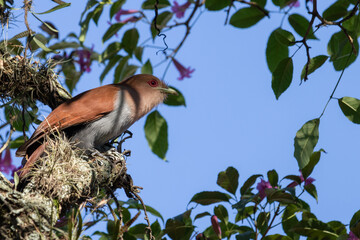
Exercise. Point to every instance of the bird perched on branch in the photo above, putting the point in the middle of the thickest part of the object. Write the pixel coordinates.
(99, 115)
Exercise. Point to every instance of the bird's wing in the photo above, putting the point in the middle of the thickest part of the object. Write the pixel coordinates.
(86, 107)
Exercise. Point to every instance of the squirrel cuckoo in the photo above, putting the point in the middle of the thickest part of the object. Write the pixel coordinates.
(99, 115)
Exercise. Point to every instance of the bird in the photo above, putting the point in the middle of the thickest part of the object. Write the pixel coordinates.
(97, 116)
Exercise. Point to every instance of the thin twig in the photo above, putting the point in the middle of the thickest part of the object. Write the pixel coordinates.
(228, 12)
(188, 28)
(146, 216)
(271, 222)
(157, 29)
(7, 141)
(337, 84)
(254, 4)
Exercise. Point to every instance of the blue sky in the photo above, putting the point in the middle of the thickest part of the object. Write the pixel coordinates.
(232, 117)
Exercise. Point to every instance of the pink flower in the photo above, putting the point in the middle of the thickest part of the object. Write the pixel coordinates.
(124, 12)
(216, 226)
(84, 59)
(261, 186)
(130, 19)
(179, 10)
(307, 181)
(184, 72)
(352, 236)
(5, 162)
(294, 4)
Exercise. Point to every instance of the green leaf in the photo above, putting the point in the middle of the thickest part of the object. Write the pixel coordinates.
(229, 180)
(282, 76)
(138, 230)
(305, 141)
(352, 25)
(19, 120)
(109, 66)
(97, 13)
(208, 197)
(336, 10)
(262, 221)
(273, 177)
(46, 24)
(60, 6)
(130, 40)
(64, 45)
(300, 24)
(85, 25)
(275, 51)
(147, 68)
(314, 229)
(295, 178)
(340, 49)
(71, 75)
(156, 133)
(241, 205)
(201, 215)
(136, 205)
(161, 22)
(351, 108)
(355, 223)
(244, 213)
(123, 70)
(112, 30)
(261, 3)
(110, 51)
(150, 4)
(180, 227)
(37, 41)
(338, 227)
(284, 37)
(314, 159)
(314, 64)
(16, 143)
(221, 212)
(282, 3)
(246, 17)
(244, 236)
(248, 183)
(175, 100)
(289, 219)
(279, 195)
(311, 189)
(277, 237)
(138, 53)
(156, 228)
(216, 5)
(115, 7)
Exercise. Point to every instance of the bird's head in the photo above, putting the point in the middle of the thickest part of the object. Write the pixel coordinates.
(151, 91)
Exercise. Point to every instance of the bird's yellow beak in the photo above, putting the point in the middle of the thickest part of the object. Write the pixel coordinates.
(168, 91)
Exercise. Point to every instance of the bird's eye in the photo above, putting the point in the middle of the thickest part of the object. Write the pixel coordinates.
(153, 83)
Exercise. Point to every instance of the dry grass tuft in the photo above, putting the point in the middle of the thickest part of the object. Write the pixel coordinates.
(70, 174)
(59, 174)
(25, 80)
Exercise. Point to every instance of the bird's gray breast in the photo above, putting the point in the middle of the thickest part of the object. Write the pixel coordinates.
(108, 127)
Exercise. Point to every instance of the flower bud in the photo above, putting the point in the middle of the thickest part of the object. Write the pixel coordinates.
(216, 226)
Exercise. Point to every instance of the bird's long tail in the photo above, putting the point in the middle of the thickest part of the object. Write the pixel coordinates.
(31, 160)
